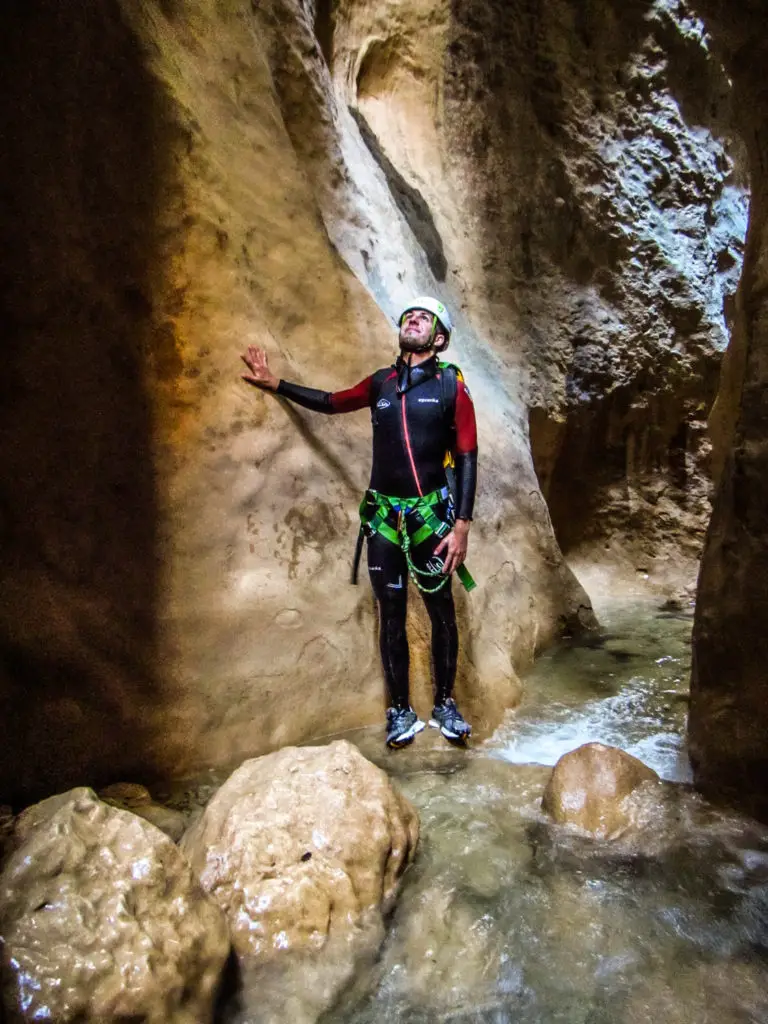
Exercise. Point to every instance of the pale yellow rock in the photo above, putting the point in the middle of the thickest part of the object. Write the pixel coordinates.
(590, 786)
(102, 920)
(130, 796)
(301, 844)
(189, 554)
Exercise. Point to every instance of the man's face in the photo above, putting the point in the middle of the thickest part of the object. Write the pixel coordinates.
(416, 330)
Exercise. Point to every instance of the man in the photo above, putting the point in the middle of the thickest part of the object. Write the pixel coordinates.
(422, 417)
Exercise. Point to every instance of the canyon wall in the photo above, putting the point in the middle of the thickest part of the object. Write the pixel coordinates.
(587, 197)
(187, 178)
(729, 692)
(182, 182)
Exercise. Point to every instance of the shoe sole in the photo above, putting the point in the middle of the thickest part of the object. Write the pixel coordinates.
(407, 737)
(447, 732)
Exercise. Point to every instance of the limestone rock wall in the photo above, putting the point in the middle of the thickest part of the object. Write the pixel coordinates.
(573, 171)
(729, 695)
(185, 179)
(188, 178)
(615, 235)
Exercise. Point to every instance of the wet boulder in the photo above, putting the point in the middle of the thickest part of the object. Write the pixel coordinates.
(102, 920)
(304, 850)
(591, 787)
(130, 796)
(302, 842)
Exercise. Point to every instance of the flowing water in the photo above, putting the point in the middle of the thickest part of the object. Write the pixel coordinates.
(505, 918)
(627, 687)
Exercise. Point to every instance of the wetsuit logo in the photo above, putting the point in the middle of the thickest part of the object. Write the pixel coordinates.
(430, 401)
(383, 403)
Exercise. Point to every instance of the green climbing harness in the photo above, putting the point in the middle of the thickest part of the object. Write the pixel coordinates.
(376, 514)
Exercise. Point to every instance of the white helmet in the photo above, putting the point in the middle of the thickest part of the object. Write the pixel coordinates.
(437, 309)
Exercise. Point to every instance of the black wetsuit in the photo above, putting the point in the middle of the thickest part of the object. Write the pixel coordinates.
(416, 419)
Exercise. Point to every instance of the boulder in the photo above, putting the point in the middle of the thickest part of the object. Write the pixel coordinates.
(126, 796)
(300, 844)
(102, 920)
(590, 786)
(130, 796)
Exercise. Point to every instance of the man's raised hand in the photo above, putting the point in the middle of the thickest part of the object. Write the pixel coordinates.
(259, 373)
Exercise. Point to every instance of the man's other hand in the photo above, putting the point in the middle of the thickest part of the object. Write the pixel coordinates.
(455, 545)
(260, 375)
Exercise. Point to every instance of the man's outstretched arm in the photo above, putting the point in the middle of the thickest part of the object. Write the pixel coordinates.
(329, 402)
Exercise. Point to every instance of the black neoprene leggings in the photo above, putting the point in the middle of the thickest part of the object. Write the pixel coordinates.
(388, 572)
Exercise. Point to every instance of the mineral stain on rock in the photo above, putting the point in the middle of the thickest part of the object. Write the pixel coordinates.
(311, 526)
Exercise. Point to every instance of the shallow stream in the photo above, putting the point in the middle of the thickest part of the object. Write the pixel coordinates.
(505, 918)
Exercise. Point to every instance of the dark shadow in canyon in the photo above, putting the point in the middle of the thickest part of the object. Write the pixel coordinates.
(588, 463)
(325, 24)
(82, 176)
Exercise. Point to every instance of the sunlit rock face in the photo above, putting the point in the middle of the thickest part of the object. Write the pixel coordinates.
(188, 178)
(191, 178)
(102, 920)
(572, 170)
(729, 686)
(303, 850)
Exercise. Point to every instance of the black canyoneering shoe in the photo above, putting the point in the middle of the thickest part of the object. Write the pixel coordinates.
(402, 726)
(447, 718)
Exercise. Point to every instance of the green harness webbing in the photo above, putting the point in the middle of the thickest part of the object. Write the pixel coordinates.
(431, 526)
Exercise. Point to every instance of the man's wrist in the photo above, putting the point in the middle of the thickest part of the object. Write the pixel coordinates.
(463, 524)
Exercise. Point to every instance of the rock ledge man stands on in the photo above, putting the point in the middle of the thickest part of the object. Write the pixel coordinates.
(423, 422)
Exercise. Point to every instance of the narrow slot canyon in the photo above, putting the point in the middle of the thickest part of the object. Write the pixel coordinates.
(207, 814)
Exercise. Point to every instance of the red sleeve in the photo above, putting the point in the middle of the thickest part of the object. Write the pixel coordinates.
(352, 399)
(466, 427)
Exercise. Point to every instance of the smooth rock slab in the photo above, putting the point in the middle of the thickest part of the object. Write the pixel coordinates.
(301, 846)
(102, 920)
(589, 788)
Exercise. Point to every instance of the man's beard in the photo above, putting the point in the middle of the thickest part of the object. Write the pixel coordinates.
(411, 344)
